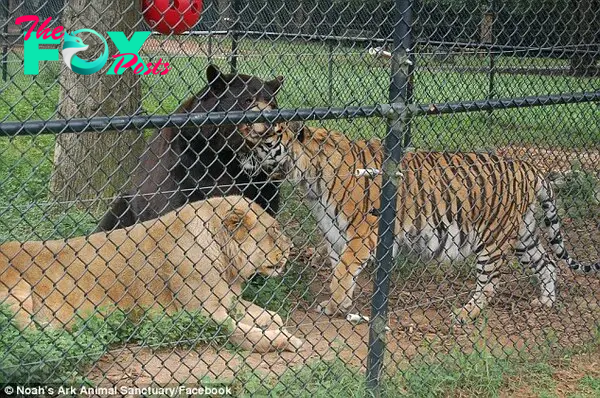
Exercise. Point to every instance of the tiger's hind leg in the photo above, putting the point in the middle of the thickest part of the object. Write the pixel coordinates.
(530, 252)
(489, 260)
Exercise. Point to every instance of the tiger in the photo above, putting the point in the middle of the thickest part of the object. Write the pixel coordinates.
(450, 205)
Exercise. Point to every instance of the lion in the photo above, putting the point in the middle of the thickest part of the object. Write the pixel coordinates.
(193, 258)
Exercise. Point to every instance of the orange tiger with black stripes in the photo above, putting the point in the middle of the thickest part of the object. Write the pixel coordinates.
(450, 205)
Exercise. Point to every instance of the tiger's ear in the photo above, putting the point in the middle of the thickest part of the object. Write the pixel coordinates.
(239, 223)
(216, 79)
(275, 84)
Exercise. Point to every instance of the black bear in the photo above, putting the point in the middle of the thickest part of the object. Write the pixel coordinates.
(194, 163)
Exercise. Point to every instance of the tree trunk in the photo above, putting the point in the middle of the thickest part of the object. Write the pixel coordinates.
(97, 165)
(585, 33)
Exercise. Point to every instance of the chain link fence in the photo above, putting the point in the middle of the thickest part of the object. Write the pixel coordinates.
(316, 198)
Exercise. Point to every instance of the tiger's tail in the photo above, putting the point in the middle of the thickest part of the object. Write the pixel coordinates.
(545, 195)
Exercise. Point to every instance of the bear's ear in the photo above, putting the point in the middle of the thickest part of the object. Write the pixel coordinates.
(216, 79)
(275, 84)
(239, 223)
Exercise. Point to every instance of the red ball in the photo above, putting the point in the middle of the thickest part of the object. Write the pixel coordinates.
(171, 16)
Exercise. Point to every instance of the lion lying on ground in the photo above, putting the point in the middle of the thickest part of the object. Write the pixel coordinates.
(192, 258)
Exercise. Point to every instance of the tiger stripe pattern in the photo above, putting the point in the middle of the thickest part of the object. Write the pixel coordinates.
(449, 206)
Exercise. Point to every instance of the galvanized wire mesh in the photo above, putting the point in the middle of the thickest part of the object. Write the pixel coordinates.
(350, 129)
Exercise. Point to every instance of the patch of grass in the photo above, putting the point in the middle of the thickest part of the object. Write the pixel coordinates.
(476, 374)
(479, 372)
(540, 379)
(43, 222)
(25, 168)
(55, 356)
(319, 379)
(27, 211)
(44, 355)
(590, 385)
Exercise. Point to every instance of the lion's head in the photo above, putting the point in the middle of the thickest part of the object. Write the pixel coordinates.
(254, 240)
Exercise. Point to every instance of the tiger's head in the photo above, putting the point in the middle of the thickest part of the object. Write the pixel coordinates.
(269, 151)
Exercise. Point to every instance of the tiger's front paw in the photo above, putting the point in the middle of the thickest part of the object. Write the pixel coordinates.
(467, 314)
(330, 307)
(542, 302)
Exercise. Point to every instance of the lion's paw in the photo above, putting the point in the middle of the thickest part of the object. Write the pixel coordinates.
(295, 344)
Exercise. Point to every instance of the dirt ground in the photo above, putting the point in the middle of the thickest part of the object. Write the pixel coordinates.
(421, 303)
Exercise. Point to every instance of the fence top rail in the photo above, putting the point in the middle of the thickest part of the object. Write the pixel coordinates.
(101, 124)
(307, 36)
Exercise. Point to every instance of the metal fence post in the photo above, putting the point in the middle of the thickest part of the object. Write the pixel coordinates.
(330, 71)
(5, 53)
(394, 150)
(490, 17)
(235, 36)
